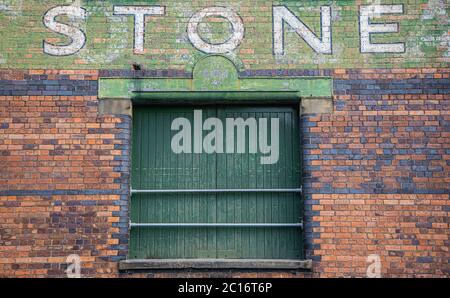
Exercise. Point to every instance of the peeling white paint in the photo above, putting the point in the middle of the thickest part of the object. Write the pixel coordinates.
(281, 15)
(335, 12)
(76, 3)
(12, 8)
(115, 40)
(139, 13)
(367, 12)
(222, 48)
(77, 36)
(435, 9)
(117, 28)
(444, 41)
(374, 3)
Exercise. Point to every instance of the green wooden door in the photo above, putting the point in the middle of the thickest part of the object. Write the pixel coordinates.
(157, 165)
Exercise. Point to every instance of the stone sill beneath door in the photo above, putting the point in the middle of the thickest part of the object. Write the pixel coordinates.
(243, 264)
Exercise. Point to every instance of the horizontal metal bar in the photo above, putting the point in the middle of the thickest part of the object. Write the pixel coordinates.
(242, 190)
(219, 225)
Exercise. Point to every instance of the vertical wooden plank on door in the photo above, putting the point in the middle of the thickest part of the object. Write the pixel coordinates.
(204, 204)
(135, 183)
(146, 176)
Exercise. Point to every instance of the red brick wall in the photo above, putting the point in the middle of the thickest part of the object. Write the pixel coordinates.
(60, 191)
(376, 176)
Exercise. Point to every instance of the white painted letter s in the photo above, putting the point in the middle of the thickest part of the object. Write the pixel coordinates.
(76, 35)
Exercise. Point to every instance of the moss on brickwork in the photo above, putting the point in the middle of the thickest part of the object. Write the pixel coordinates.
(423, 29)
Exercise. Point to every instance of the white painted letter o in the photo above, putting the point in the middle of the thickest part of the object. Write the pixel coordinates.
(228, 46)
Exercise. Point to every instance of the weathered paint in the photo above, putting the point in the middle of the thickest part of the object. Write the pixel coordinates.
(139, 13)
(367, 29)
(214, 73)
(282, 14)
(77, 36)
(237, 33)
(111, 43)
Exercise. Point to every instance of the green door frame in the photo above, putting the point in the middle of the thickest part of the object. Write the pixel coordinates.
(215, 80)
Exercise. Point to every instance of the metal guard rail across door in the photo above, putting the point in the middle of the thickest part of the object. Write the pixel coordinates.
(244, 190)
(237, 225)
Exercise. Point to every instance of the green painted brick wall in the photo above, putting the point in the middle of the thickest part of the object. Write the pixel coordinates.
(423, 28)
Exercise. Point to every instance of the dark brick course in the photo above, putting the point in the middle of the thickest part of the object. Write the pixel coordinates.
(48, 87)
